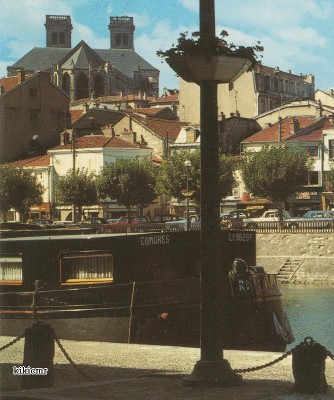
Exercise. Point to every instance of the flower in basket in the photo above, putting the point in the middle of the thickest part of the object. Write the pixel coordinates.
(195, 61)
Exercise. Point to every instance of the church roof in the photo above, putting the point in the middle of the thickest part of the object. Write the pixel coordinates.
(42, 58)
(125, 60)
(81, 56)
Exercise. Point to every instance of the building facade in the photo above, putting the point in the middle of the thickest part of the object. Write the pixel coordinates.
(253, 93)
(32, 115)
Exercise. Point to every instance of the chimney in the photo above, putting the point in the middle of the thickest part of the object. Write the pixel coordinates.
(20, 75)
(295, 126)
(64, 138)
(112, 132)
(332, 92)
(319, 110)
(86, 107)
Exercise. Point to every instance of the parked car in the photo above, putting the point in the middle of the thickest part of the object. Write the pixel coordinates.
(235, 219)
(100, 224)
(315, 219)
(135, 224)
(165, 218)
(41, 222)
(12, 225)
(271, 218)
(181, 225)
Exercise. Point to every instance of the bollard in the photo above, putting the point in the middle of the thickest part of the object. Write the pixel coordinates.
(308, 366)
(39, 348)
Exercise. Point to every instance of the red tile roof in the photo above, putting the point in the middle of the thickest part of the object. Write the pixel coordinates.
(38, 161)
(8, 82)
(312, 135)
(161, 127)
(76, 114)
(270, 134)
(167, 99)
(98, 141)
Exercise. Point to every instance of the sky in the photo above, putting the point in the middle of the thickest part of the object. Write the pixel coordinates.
(297, 35)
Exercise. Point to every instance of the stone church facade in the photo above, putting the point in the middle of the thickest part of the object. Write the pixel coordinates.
(83, 72)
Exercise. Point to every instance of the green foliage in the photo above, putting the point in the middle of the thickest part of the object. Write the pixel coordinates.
(19, 189)
(172, 178)
(77, 188)
(130, 181)
(276, 172)
(329, 178)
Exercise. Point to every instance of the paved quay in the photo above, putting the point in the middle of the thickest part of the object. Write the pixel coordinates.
(138, 372)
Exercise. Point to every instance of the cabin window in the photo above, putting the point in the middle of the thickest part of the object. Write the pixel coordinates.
(86, 267)
(11, 270)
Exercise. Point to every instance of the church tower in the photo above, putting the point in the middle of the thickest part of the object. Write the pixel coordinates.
(58, 31)
(121, 32)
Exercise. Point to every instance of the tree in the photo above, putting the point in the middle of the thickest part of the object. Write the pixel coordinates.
(77, 188)
(19, 189)
(172, 176)
(130, 181)
(276, 172)
(329, 178)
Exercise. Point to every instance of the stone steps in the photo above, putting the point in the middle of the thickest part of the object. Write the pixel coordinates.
(288, 269)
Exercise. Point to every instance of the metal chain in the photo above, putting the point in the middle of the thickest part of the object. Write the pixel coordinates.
(12, 342)
(269, 364)
(83, 374)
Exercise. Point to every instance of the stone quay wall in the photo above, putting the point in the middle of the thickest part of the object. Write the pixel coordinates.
(313, 251)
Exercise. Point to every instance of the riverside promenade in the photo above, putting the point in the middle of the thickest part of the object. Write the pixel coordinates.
(140, 372)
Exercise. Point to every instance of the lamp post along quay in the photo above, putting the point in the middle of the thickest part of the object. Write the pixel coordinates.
(187, 164)
(212, 369)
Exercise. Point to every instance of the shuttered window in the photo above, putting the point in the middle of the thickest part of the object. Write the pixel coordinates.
(11, 270)
(86, 267)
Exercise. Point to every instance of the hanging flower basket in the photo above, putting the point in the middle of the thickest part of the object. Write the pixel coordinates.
(223, 62)
(220, 69)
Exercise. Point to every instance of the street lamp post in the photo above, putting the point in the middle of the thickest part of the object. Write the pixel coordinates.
(187, 164)
(212, 369)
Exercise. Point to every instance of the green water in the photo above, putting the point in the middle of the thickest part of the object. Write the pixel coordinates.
(311, 313)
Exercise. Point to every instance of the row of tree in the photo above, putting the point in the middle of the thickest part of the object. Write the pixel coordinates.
(274, 172)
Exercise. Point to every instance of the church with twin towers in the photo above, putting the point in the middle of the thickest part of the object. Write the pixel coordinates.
(83, 72)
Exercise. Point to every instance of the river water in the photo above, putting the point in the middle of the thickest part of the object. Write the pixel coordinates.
(311, 313)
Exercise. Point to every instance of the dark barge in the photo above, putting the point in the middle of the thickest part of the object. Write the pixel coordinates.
(138, 288)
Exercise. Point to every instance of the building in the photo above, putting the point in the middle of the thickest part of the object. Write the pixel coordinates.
(32, 114)
(316, 135)
(301, 108)
(326, 97)
(83, 72)
(253, 93)
(41, 168)
(157, 133)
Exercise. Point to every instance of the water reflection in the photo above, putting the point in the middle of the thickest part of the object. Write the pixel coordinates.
(311, 313)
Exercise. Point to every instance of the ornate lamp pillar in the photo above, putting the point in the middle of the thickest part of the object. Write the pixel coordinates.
(212, 369)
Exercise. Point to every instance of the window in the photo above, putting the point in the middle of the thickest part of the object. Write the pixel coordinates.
(33, 117)
(86, 267)
(312, 151)
(313, 179)
(331, 148)
(11, 269)
(32, 92)
(118, 39)
(62, 38)
(54, 38)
